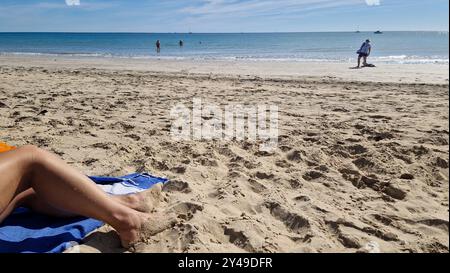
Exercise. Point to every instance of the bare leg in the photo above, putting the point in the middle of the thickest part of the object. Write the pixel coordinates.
(64, 188)
(145, 201)
(30, 199)
(359, 62)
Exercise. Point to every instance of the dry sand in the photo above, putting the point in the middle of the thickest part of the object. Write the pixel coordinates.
(360, 166)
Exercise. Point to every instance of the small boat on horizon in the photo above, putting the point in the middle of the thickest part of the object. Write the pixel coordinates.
(378, 32)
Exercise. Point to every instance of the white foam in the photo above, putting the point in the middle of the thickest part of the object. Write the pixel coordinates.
(393, 59)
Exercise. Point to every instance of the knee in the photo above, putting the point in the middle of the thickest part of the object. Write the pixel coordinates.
(32, 153)
(31, 149)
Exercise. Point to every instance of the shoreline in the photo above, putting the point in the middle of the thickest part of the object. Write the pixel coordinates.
(389, 60)
(288, 70)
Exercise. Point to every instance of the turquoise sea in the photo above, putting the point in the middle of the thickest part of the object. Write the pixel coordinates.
(390, 47)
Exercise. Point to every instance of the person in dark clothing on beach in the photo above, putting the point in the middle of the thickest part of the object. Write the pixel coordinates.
(364, 52)
(158, 46)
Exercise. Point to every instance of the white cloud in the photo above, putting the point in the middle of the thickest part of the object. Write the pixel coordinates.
(73, 2)
(262, 7)
(373, 2)
(200, 12)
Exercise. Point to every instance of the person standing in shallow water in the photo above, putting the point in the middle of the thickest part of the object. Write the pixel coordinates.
(158, 46)
(181, 43)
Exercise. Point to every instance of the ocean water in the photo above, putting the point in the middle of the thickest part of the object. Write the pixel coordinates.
(389, 47)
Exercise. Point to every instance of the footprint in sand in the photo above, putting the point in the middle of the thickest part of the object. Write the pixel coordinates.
(101, 145)
(134, 137)
(186, 210)
(264, 175)
(357, 149)
(302, 198)
(441, 163)
(283, 164)
(312, 175)
(90, 161)
(181, 169)
(239, 239)
(363, 163)
(294, 222)
(207, 162)
(184, 236)
(380, 136)
(177, 186)
(395, 191)
(255, 186)
(295, 183)
(295, 156)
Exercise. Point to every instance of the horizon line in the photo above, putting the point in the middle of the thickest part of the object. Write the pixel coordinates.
(193, 32)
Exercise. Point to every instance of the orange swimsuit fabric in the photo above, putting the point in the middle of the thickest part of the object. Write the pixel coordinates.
(5, 147)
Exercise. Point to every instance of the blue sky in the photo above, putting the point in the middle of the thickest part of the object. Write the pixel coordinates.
(222, 15)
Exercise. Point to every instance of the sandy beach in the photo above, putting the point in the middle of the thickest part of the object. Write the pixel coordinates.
(361, 166)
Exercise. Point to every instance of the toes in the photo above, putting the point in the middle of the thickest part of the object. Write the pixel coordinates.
(158, 187)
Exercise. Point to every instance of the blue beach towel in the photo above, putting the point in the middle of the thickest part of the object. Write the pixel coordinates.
(27, 232)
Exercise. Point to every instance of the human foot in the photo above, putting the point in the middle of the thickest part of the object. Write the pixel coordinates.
(145, 201)
(147, 226)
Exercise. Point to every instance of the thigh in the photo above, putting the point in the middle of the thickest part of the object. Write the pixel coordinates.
(14, 173)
